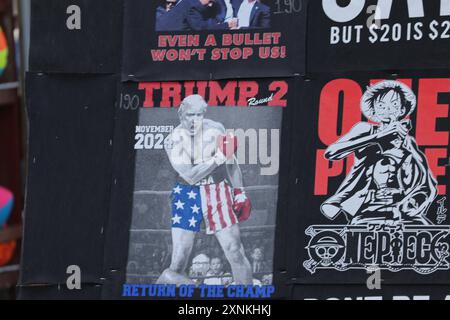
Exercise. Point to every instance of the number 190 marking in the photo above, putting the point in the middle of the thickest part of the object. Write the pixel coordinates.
(288, 6)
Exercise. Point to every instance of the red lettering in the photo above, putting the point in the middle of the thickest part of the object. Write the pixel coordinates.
(276, 38)
(227, 39)
(218, 96)
(193, 41)
(280, 89)
(162, 41)
(247, 52)
(235, 53)
(189, 88)
(429, 111)
(149, 87)
(201, 88)
(210, 41)
(329, 109)
(215, 55)
(172, 55)
(178, 41)
(264, 52)
(248, 89)
(158, 55)
(171, 94)
(184, 55)
(251, 39)
(275, 54)
(201, 53)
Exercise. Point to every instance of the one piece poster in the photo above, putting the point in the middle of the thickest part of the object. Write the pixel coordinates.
(373, 191)
(213, 39)
(204, 196)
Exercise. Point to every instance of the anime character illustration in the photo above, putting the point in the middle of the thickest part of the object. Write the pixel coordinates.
(390, 181)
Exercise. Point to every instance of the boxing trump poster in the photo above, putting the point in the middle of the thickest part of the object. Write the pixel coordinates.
(375, 184)
(206, 171)
(213, 39)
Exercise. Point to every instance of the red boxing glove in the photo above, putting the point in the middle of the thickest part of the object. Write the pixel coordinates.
(227, 145)
(242, 205)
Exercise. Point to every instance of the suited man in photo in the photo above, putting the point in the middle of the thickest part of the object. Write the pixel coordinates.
(227, 9)
(251, 14)
(193, 15)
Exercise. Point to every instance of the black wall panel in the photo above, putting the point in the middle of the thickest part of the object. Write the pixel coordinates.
(71, 123)
(94, 48)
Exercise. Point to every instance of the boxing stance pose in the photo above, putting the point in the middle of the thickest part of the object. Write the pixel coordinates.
(209, 189)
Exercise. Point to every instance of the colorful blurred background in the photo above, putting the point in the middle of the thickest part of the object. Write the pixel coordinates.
(14, 29)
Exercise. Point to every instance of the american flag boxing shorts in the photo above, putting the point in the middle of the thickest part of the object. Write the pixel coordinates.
(212, 203)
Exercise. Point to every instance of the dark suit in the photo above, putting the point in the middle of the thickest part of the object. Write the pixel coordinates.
(235, 4)
(259, 17)
(174, 19)
(208, 18)
(190, 15)
(160, 11)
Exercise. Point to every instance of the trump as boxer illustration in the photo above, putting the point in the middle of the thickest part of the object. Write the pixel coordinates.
(209, 190)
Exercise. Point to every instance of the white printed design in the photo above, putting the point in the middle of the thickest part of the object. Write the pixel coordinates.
(385, 197)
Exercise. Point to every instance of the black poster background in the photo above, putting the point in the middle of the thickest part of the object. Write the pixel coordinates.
(387, 55)
(95, 48)
(304, 206)
(120, 218)
(71, 123)
(140, 38)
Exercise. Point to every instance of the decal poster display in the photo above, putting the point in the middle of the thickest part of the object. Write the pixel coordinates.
(205, 194)
(374, 191)
(213, 39)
